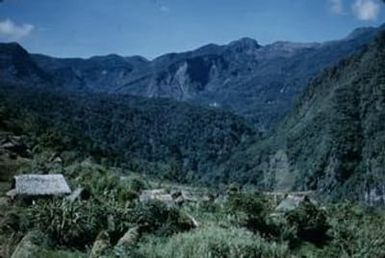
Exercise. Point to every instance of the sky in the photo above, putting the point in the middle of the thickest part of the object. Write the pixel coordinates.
(83, 28)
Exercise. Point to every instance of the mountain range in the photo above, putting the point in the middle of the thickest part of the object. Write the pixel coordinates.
(259, 83)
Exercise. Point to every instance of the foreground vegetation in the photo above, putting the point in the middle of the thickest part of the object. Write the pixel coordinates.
(110, 221)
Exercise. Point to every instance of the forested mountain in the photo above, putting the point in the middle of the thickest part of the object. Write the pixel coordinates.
(17, 66)
(254, 81)
(156, 136)
(333, 140)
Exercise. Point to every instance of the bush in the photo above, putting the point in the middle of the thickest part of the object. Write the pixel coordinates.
(70, 224)
(156, 218)
(212, 242)
(77, 224)
(278, 229)
(100, 183)
(137, 185)
(127, 195)
(13, 221)
(248, 203)
(103, 184)
(59, 254)
(310, 222)
(251, 211)
(355, 232)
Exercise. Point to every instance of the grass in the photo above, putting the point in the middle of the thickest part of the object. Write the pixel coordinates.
(210, 242)
(61, 254)
(4, 188)
(8, 244)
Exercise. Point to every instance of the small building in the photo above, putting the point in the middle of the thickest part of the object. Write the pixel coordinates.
(148, 195)
(39, 186)
(158, 194)
(292, 202)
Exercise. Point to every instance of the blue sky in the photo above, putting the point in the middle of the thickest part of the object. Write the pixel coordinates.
(84, 28)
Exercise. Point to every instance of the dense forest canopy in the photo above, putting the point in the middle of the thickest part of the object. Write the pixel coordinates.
(128, 131)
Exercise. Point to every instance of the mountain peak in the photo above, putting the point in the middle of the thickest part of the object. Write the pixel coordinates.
(244, 44)
(12, 47)
(208, 49)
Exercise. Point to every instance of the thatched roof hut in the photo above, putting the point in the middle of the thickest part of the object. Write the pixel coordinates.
(40, 185)
(157, 194)
(292, 202)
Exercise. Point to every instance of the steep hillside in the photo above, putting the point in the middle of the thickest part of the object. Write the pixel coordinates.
(100, 73)
(333, 141)
(257, 82)
(17, 66)
(153, 135)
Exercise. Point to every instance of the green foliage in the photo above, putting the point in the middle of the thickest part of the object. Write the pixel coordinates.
(131, 132)
(213, 242)
(233, 189)
(310, 222)
(30, 245)
(70, 224)
(14, 219)
(156, 218)
(249, 203)
(8, 243)
(77, 224)
(243, 227)
(355, 232)
(47, 253)
(251, 210)
(137, 185)
(102, 183)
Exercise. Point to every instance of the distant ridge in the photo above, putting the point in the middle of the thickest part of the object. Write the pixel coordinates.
(254, 81)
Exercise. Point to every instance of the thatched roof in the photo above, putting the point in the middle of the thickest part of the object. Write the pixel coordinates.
(158, 195)
(292, 202)
(40, 185)
(148, 195)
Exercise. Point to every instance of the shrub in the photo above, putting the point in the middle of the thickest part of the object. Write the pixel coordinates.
(8, 243)
(278, 229)
(44, 253)
(71, 224)
(355, 232)
(251, 211)
(102, 184)
(233, 189)
(156, 218)
(310, 222)
(13, 220)
(127, 195)
(76, 224)
(137, 185)
(212, 242)
(251, 204)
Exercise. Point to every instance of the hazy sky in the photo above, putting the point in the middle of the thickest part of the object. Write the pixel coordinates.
(153, 27)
